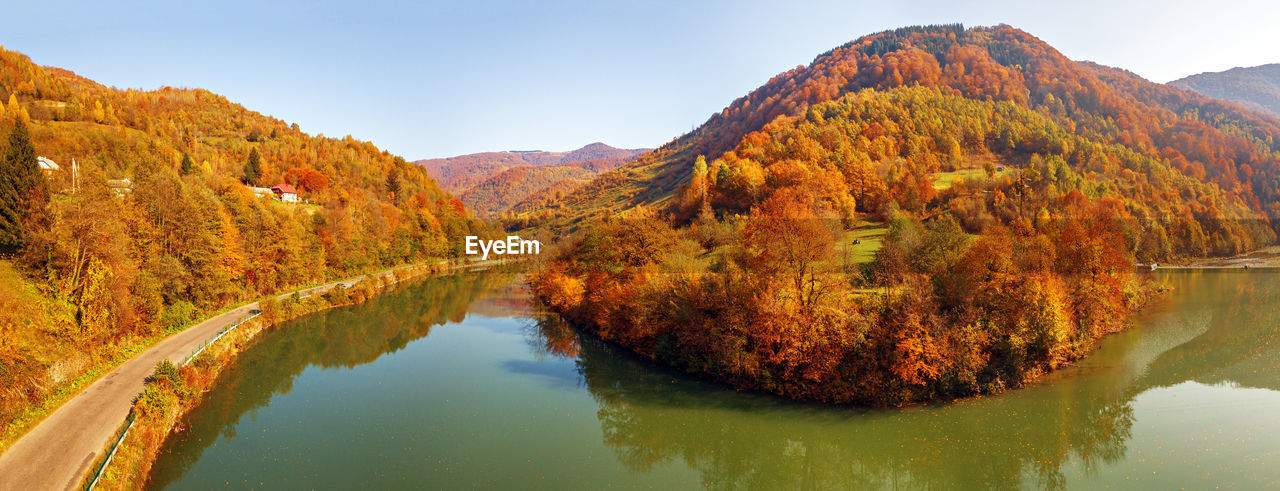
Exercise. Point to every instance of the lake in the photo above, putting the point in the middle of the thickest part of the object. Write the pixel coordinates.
(454, 381)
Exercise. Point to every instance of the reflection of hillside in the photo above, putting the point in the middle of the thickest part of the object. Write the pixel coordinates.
(1242, 342)
(1025, 438)
(510, 300)
(345, 337)
(649, 416)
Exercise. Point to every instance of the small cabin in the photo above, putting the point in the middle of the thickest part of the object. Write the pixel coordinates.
(285, 192)
(47, 166)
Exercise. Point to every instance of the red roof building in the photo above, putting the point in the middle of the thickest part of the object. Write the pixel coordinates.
(286, 193)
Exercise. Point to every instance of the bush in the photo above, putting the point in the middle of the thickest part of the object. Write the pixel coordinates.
(167, 371)
(154, 400)
(271, 309)
(337, 295)
(177, 315)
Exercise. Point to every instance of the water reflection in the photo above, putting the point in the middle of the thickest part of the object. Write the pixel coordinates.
(500, 401)
(343, 337)
(1216, 327)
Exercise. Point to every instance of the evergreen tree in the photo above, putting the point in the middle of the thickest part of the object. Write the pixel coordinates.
(253, 168)
(187, 164)
(393, 184)
(23, 193)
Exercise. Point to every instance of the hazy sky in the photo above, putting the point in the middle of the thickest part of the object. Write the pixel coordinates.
(439, 79)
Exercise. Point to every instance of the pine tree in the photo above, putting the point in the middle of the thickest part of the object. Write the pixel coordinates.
(253, 168)
(23, 193)
(393, 184)
(187, 164)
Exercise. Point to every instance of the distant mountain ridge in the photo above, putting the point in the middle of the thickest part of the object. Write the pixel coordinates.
(457, 174)
(1256, 88)
(491, 183)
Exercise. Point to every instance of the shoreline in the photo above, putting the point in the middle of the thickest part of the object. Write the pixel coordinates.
(1264, 258)
(140, 445)
(64, 448)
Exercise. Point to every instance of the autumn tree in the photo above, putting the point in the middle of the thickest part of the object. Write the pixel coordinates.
(306, 180)
(789, 239)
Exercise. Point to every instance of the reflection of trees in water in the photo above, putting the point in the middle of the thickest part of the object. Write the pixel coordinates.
(650, 415)
(345, 337)
(1242, 342)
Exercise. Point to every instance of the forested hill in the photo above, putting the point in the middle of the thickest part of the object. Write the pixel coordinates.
(1256, 88)
(162, 222)
(921, 214)
(458, 174)
(1187, 137)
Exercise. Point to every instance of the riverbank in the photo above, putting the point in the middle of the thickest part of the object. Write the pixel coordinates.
(60, 450)
(1267, 257)
(170, 392)
(339, 400)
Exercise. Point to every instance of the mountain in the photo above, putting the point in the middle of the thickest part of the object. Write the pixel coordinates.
(1194, 136)
(920, 214)
(1256, 88)
(517, 189)
(457, 174)
(498, 193)
(165, 219)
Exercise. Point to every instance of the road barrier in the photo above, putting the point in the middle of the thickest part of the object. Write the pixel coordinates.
(115, 445)
(129, 420)
(218, 336)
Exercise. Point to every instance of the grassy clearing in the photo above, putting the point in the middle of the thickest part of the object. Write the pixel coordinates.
(870, 237)
(308, 208)
(944, 180)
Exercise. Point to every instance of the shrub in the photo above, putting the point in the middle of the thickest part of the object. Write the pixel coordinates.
(271, 309)
(177, 315)
(337, 295)
(167, 371)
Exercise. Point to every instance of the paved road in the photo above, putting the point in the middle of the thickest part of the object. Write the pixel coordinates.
(58, 452)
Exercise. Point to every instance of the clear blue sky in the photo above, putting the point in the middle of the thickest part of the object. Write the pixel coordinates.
(440, 79)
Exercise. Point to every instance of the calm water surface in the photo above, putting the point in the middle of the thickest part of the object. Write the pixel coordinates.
(454, 382)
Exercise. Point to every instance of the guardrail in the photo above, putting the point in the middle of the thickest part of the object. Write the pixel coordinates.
(115, 445)
(218, 336)
(128, 422)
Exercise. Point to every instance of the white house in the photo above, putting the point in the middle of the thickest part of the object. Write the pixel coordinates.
(286, 193)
